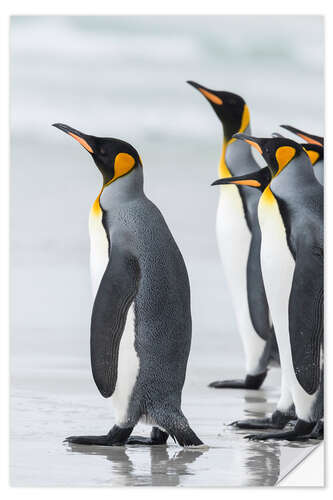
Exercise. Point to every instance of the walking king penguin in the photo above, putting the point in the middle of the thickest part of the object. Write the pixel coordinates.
(290, 213)
(141, 318)
(315, 149)
(238, 236)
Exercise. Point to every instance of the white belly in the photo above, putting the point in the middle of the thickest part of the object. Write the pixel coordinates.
(99, 249)
(234, 238)
(278, 268)
(128, 369)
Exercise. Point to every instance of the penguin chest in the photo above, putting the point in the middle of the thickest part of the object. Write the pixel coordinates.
(234, 238)
(277, 268)
(277, 261)
(99, 246)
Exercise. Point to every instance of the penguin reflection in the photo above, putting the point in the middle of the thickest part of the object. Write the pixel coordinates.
(263, 465)
(164, 470)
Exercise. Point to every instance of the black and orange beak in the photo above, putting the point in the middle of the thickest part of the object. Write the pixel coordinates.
(211, 95)
(85, 140)
(309, 138)
(253, 141)
(259, 179)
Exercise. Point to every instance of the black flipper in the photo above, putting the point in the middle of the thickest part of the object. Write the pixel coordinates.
(250, 382)
(258, 305)
(300, 432)
(114, 297)
(157, 437)
(277, 421)
(116, 437)
(306, 318)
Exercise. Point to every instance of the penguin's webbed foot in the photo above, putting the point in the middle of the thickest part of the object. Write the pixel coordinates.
(256, 423)
(301, 432)
(157, 437)
(318, 430)
(116, 437)
(277, 421)
(316, 433)
(91, 440)
(250, 382)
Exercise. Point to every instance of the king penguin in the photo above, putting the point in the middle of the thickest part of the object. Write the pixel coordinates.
(238, 236)
(290, 213)
(141, 317)
(315, 148)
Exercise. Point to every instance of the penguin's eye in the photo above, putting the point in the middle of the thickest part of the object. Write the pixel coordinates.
(102, 151)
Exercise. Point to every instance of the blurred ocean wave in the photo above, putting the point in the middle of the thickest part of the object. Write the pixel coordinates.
(126, 75)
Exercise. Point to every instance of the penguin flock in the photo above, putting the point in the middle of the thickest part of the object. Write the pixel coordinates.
(269, 228)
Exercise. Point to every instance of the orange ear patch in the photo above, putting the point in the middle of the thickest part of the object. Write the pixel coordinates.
(249, 182)
(283, 156)
(211, 97)
(255, 145)
(123, 163)
(82, 142)
(313, 155)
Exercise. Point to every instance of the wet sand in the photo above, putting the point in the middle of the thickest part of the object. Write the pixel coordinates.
(41, 420)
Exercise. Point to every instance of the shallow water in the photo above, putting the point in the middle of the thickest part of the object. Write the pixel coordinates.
(60, 405)
(126, 77)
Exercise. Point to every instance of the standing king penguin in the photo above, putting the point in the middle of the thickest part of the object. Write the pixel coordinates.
(290, 213)
(238, 236)
(141, 318)
(315, 148)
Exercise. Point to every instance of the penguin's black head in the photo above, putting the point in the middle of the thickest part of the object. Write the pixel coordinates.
(113, 157)
(230, 108)
(314, 151)
(277, 151)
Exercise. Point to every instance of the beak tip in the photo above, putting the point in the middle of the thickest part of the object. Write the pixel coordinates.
(60, 126)
(192, 83)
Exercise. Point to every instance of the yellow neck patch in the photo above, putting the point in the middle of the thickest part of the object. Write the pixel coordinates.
(267, 196)
(313, 155)
(283, 156)
(223, 169)
(245, 119)
(96, 208)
